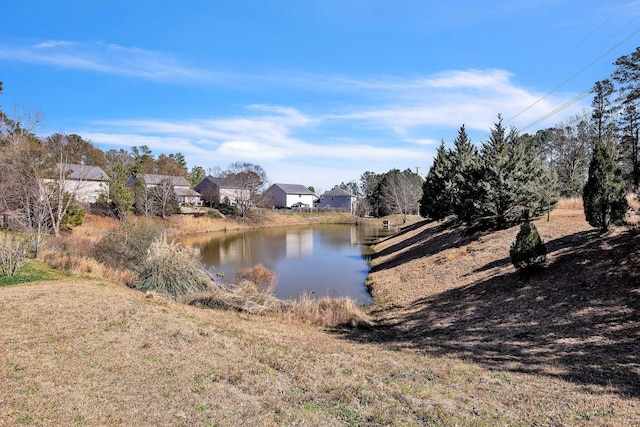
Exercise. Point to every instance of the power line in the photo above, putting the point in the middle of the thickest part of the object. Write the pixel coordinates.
(594, 31)
(564, 106)
(574, 75)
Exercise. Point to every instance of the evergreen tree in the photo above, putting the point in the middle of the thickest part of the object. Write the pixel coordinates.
(630, 145)
(437, 194)
(528, 249)
(511, 168)
(465, 166)
(602, 121)
(120, 196)
(604, 195)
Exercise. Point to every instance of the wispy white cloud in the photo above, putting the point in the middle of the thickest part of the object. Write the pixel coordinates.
(389, 121)
(105, 58)
(400, 103)
(272, 136)
(400, 127)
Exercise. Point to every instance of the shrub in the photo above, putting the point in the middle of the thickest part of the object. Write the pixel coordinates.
(173, 269)
(227, 209)
(263, 278)
(126, 246)
(13, 254)
(528, 249)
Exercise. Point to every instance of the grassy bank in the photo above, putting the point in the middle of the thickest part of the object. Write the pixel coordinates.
(457, 338)
(188, 224)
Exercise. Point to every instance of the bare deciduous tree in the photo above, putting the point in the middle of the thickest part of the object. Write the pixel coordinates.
(402, 192)
(165, 197)
(250, 181)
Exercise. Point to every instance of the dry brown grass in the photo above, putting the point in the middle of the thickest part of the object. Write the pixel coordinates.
(253, 293)
(71, 253)
(457, 338)
(326, 312)
(86, 266)
(570, 203)
(263, 278)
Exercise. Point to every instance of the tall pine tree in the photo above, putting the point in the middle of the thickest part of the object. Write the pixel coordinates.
(510, 168)
(604, 195)
(466, 169)
(437, 197)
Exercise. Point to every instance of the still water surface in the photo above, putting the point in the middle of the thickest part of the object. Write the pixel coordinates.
(326, 260)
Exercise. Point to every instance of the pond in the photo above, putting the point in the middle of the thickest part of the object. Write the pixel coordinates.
(320, 260)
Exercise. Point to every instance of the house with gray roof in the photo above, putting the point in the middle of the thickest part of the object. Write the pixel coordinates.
(288, 196)
(85, 183)
(338, 199)
(182, 188)
(221, 190)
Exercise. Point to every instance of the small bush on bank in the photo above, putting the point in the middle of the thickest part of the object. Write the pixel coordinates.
(126, 245)
(226, 209)
(13, 254)
(263, 278)
(528, 249)
(173, 269)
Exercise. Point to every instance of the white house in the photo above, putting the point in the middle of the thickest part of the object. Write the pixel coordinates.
(289, 196)
(84, 183)
(339, 199)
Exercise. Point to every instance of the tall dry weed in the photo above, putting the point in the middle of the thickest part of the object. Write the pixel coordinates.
(173, 269)
(263, 278)
(570, 203)
(253, 293)
(83, 266)
(327, 312)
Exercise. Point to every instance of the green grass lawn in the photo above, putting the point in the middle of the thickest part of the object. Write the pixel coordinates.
(32, 272)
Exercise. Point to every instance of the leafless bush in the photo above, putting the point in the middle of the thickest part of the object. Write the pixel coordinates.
(263, 278)
(173, 269)
(126, 246)
(13, 254)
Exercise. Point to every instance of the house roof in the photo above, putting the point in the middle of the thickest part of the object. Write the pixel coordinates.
(185, 192)
(84, 172)
(176, 181)
(294, 189)
(337, 192)
(223, 182)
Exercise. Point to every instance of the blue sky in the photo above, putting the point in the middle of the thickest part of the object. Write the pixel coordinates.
(317, 91)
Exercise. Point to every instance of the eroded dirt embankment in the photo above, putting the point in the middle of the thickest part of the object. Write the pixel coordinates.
(446, 290)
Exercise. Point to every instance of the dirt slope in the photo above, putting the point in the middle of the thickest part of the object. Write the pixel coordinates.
(451, 292)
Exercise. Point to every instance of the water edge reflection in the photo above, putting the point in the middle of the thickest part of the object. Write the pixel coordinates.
(323, 260)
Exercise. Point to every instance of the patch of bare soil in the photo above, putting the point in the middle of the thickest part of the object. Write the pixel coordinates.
(453, 292)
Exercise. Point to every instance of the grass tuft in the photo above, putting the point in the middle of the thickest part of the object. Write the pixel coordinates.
(173, 269)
